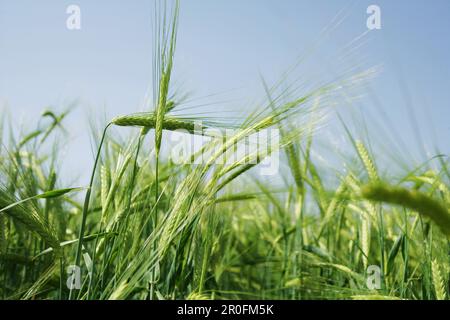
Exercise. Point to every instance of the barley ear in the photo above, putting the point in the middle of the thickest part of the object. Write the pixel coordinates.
(438, 280)
(166, 71)
(367, 161)
(30, 219)
(415, 200)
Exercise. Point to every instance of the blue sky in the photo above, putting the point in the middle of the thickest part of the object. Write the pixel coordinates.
(223, 48)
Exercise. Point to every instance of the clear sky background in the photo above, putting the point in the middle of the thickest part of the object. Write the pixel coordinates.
(223, 48)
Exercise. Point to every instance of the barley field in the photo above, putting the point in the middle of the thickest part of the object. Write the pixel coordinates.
(210, 226)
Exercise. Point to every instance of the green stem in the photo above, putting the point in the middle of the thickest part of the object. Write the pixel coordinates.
(86, 205)
(152, 285)
(61, 271)
(130, 194)
(156, 177)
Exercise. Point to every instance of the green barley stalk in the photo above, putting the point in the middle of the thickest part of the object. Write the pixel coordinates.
(86, 203)
(144, 120)
(166, 65)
